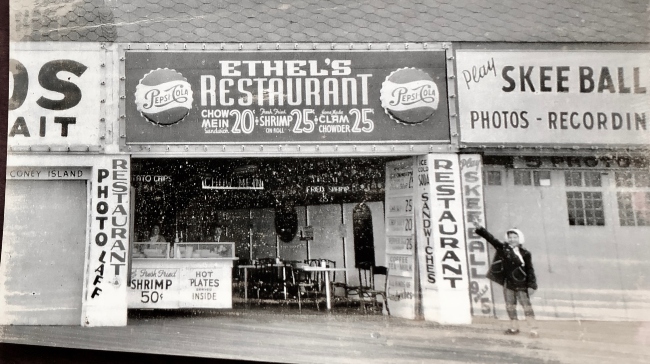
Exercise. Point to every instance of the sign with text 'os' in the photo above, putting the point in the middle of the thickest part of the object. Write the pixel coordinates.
(554, 97)
(54, 96)
(286, 97)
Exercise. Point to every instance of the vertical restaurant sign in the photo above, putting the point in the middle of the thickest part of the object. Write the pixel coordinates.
(54, 96)
(480, 288)
(400, 239)
(320, 97)
(554, 97)
(106, 268)
(441, 240)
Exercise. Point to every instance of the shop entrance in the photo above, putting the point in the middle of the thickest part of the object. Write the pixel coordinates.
(43, 252)
(293, 209)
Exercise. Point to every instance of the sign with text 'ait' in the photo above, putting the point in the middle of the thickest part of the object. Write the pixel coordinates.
(286, 97)
(441, 248)
(54, 96)
(554, 97)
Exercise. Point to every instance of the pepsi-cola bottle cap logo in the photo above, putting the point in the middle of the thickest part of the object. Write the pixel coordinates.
(409, 96)
(164, 97)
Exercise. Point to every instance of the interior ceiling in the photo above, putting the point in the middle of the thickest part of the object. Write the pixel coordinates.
(298, 181)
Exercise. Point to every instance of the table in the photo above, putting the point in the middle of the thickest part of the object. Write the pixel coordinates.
(327, 271)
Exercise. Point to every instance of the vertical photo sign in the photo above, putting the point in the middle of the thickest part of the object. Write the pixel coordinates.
(480, 288)
(441, 240)
(400, 239)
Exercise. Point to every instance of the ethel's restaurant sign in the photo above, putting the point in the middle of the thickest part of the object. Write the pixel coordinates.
(555, 97)
(320, 97)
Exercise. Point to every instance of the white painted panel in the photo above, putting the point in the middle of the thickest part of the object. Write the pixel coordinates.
(42, 266)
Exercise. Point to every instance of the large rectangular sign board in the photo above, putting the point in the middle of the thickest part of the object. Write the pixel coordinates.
(55, 96)
(554, 97)
(210, 97)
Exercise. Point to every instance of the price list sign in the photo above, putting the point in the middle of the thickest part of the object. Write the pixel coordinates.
(286, 97)
(400, 237)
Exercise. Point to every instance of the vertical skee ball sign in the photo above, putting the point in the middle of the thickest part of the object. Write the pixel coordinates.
(441, 240)
(480, 287)
(105, 290)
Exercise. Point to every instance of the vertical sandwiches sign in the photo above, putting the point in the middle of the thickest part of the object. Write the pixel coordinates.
(441, 240)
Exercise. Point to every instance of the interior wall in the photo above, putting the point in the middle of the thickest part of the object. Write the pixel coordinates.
(296, 249)
(237, 231)
(264, 238)
(379, 234)
(43, 252)
(583, 272)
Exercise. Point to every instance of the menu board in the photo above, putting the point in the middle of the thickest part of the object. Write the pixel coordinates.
(400, 239)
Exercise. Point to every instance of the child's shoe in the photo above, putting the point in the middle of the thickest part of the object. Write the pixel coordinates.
(534, 333)
(512, 332)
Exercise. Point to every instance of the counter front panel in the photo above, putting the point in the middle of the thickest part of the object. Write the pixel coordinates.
(181, 283)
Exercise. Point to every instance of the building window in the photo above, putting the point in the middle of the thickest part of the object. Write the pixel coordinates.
(624, 179)
(582, 179)
(634, 208)
(585, 208)
(539, 178)
(592, 179)
(542, 178)
(522, 178)
(493, 178)
(572, 179)
(632, 179)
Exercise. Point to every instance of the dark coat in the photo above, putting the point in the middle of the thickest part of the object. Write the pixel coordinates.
(507, 269)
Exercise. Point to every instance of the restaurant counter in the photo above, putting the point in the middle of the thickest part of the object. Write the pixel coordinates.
(193, 275)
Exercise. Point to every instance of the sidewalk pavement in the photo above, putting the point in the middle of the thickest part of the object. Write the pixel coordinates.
(283, 335)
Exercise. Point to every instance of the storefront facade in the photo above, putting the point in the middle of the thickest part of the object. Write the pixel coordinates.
(563, 136)
(247, 132)
(296, 131)
(65, 238)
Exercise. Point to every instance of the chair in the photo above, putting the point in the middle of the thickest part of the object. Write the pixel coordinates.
(366, 291)
(266, 279)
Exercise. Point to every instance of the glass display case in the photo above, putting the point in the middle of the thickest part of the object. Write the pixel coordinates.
(189, 250)
(204, 250)
(151, 250)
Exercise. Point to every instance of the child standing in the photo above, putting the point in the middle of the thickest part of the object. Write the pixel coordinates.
(513, 269)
